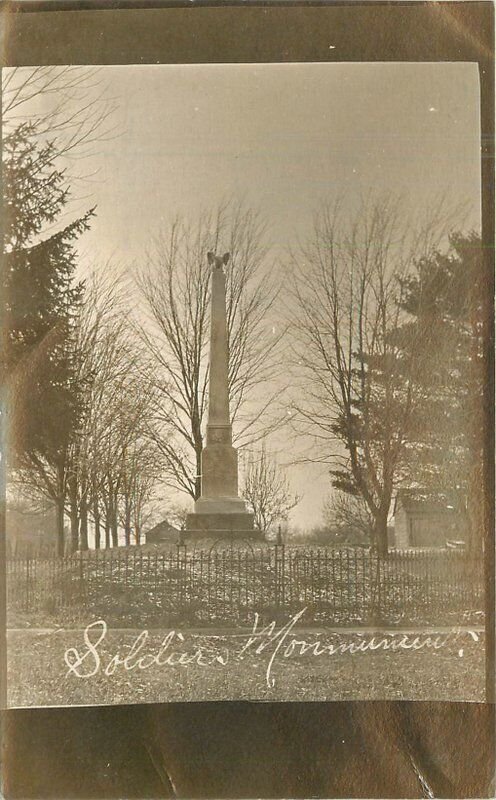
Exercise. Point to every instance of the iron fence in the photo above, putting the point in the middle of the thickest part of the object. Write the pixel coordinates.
(348, 587)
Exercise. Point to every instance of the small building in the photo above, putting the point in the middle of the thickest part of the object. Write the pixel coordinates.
(425, 519)
(162, 532)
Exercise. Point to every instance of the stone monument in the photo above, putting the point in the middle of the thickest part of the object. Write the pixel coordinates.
(219, 510)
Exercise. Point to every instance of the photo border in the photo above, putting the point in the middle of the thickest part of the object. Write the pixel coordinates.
(103, 33)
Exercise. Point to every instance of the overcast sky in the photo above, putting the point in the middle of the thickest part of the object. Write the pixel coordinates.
(282, 136)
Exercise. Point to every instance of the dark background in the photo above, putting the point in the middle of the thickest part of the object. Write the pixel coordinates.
(215, 750)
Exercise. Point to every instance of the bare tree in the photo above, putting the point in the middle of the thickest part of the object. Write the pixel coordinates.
(125, 462)
(347, 518)
(267, 490)
(113, 465)
(140, 467)
(177, 513)
(175, 285)
(101, 358)
(356, 392)
(69, 105)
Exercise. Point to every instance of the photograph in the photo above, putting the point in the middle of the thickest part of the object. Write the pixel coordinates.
(246, 362)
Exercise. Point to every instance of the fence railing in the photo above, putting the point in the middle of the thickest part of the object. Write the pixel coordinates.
(336, 587)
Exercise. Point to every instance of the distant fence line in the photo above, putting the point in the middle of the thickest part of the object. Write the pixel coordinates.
(199, 588)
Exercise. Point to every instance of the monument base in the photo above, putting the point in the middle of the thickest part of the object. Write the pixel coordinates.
(236, 525)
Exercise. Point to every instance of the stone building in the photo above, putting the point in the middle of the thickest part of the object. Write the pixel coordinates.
(426, 519)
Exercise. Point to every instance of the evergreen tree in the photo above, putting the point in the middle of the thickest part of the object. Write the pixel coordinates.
(359, 388)
(445, 300)
(41, 300)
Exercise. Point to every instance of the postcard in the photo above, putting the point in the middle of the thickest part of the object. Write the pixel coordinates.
(246, 358)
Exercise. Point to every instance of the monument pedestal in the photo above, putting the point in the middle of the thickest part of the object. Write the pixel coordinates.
(219, 511)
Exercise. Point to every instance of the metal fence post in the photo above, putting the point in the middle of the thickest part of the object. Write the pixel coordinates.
(181, 566)
(81, 578)
(279, 570)
(378, 592)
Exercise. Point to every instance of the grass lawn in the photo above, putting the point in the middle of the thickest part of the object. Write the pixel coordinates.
(226, 669)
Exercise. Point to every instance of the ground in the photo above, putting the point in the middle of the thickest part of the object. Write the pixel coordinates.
(56, 667)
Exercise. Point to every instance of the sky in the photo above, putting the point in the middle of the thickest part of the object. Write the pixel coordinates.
(283, 137)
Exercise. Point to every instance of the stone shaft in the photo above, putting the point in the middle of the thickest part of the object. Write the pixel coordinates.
(219, 508)
(218, 402)
(219, 457)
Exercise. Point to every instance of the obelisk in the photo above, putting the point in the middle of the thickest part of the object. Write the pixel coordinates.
(219, 509)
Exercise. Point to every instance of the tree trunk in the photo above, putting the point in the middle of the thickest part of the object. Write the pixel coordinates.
(74, 516)
(137, 532)
(127, 527)
(107, 531)
(380, 531)
(84, 523)
(60, 527)
(96, 520)
(114, 531)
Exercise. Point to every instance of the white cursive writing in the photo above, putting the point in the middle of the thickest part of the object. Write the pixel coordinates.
(135, 658)
(268, 640)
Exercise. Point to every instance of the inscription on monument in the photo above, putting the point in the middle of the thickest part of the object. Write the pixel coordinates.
(219, 435)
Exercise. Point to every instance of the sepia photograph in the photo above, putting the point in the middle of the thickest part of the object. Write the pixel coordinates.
(244, 349)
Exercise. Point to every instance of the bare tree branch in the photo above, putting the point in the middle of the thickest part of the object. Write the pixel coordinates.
(175, 286)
